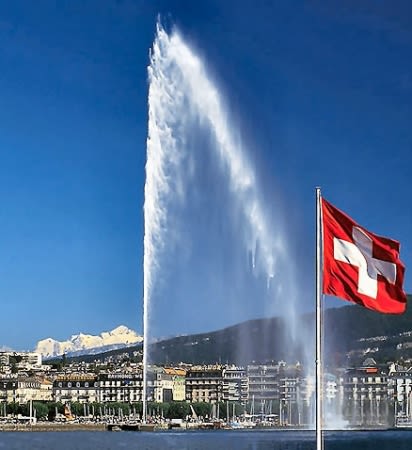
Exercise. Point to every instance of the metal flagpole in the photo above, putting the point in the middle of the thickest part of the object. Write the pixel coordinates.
(319, 388)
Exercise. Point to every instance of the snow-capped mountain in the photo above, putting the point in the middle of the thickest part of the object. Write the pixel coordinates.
(88, 344)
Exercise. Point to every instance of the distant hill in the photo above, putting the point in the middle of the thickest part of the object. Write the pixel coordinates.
(264, 340)
(351, 333)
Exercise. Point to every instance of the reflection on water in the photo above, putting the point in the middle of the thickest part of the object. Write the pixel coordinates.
(216, 440)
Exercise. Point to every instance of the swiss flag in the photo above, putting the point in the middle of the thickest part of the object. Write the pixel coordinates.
(360, 266)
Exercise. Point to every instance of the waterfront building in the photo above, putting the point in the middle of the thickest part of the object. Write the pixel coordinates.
(8, 390)
(121, 387)
(263, 387)
(235, 384)
(290, 405)
(76, 387)
(45, 391)
(204, 384)
(20, 389)
(366, 395)
(178, 385)
(28, 389)
(163, 386)
(400, 390)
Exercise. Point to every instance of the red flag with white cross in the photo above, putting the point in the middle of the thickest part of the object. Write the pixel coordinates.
(360, 266)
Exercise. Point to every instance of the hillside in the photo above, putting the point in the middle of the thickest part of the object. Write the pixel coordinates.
(351, 333)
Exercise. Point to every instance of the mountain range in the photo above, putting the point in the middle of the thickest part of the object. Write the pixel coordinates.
(80, 344)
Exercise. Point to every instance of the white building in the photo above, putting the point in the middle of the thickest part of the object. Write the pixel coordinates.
(20, 361)
(82, 388)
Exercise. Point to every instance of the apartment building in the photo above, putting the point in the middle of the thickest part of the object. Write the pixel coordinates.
(400, 392)
(366, 396)
(20, 361)
(263, 383)
(120, 387)
(76, 387)
(235, 384)
(178, 385)
(204, 384)
(23, 389)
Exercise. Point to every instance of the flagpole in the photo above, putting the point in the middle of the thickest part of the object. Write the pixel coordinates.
(319, 388)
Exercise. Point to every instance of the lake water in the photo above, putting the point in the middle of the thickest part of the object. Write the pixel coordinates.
(204, 440)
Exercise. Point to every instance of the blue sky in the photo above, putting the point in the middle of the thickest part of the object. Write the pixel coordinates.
(324, 92)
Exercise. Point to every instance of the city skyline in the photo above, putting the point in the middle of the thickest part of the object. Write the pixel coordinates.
(320, 94)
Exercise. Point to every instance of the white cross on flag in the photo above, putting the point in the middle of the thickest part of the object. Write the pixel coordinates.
(360, 266)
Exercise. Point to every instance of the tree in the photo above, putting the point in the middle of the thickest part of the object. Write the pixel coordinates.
(178, 410)
(138, 408)
(54, 407)
(42, 410)
(96, 408)
(77, 409)
(12, 408)
(202, 409)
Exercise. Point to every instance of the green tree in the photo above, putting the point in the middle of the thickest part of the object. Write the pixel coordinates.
(96, 408)
(24, 409)
(164, 409)
(202, 409)
(178, 410)
(138, 407)
(12, 408)
(118, 408)
(54, 407)
(77, 408)
(42, 410)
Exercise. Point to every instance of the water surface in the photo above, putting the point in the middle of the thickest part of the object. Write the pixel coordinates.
(203, 440)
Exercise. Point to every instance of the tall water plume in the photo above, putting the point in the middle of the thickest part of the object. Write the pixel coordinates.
(190, 139)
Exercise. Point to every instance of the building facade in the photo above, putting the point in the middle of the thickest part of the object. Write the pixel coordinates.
(81, 388)
(400, 392)
(366, 400)
(204, 384)
(235, 384)
(120, 387)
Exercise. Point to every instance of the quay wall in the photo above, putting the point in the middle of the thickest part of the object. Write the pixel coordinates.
(50, 426)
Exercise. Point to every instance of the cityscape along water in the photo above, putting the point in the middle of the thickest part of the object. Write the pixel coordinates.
(109, 391)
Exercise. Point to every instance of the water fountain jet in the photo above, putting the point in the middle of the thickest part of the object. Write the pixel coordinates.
(182, 97)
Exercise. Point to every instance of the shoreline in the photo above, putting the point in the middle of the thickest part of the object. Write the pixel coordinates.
(99, 427)
(53, 427)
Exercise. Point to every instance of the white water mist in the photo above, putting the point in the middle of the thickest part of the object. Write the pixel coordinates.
(180, 90)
